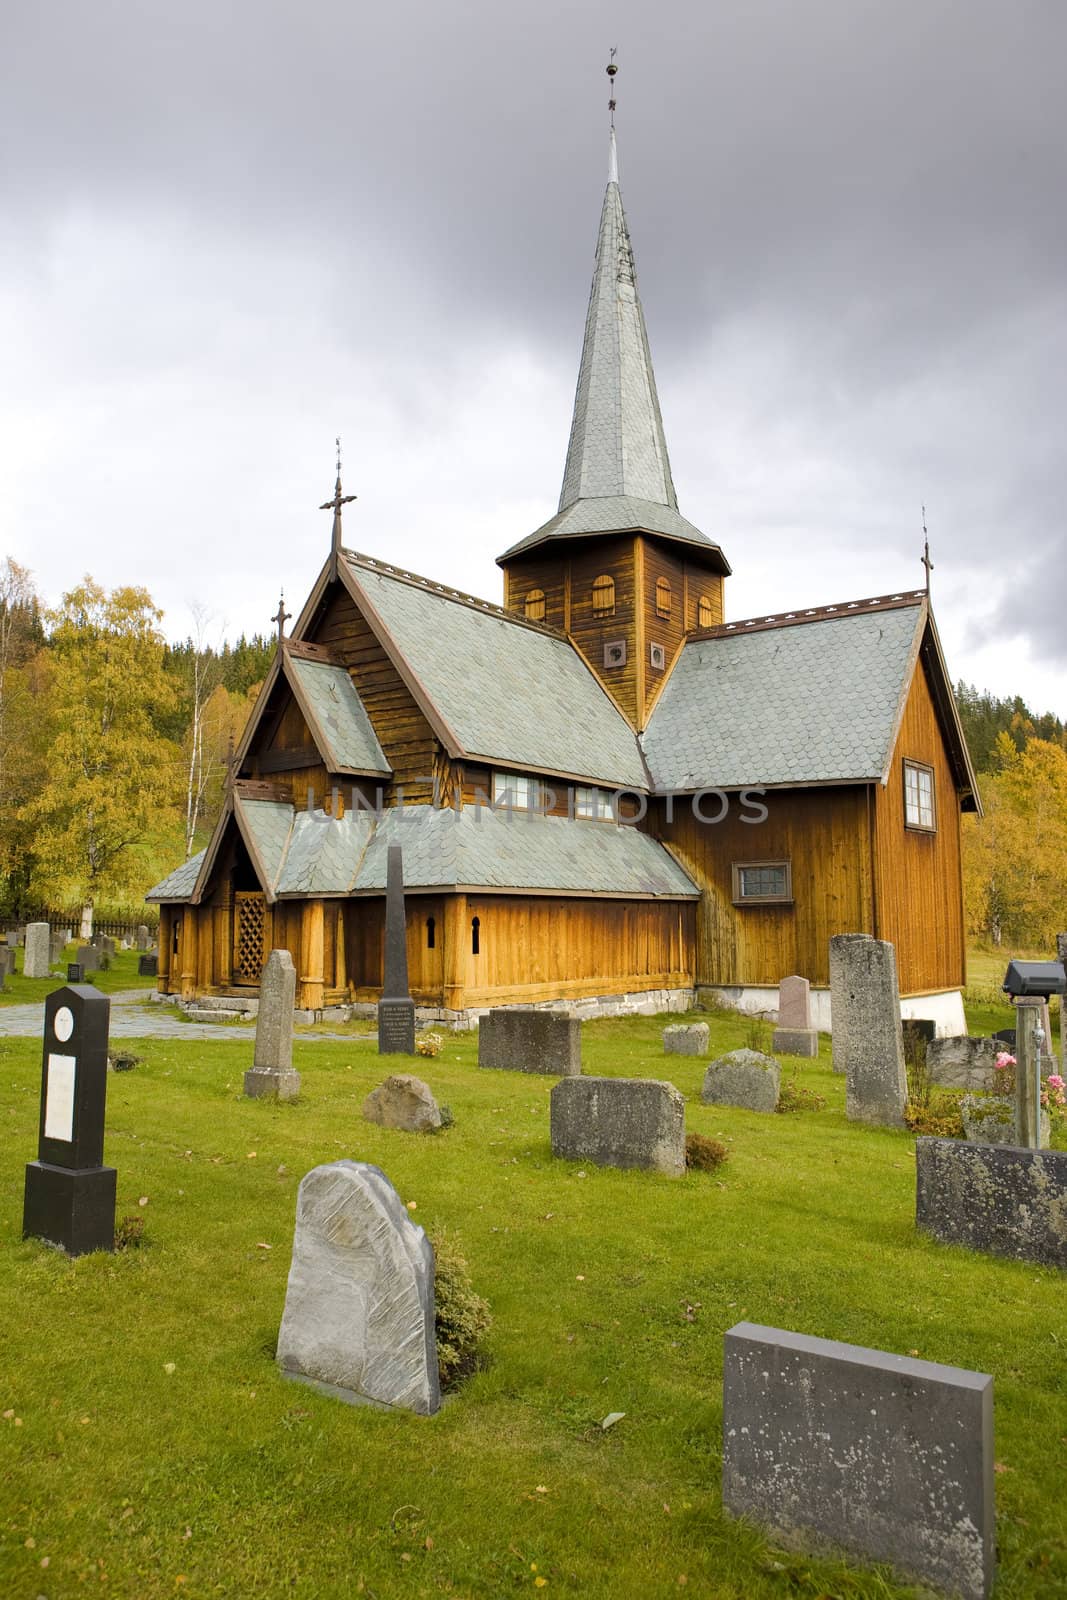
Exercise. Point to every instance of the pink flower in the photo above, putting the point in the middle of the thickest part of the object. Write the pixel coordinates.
(1054, 1080)
(1005, 1060)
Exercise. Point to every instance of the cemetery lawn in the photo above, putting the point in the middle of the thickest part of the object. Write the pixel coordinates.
(121, 974)
(149, 1446)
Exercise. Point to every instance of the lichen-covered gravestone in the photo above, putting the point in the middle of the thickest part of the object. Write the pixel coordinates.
(1007, 1201)
(868, 1043)
(619, 1122)
(520, 1039)
(404, 1102)
(794, 1035)
(686, 1039)
(359, 1307)
(962, 1063)
(272, 1073)
(37, 958)
(745, 1078)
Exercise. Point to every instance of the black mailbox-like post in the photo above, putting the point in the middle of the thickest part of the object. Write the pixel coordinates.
(70, 1194)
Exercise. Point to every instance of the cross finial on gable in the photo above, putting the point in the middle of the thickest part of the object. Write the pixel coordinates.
(927, 563)
(281, 617)
(335, 505)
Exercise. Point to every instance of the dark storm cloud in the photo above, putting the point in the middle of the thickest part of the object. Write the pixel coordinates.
(848, 222)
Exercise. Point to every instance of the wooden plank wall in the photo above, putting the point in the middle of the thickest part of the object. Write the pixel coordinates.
(403, 732)
(919, 875)
(826, 834)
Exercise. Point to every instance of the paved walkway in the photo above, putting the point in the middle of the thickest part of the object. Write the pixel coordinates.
(133, 1018)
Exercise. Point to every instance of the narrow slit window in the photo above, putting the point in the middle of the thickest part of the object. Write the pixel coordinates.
(919, 809)
(176, 936)
(534, 605)
(663, 598)
(476, 935)
(431, 933)
(604, 596)
(762, 883)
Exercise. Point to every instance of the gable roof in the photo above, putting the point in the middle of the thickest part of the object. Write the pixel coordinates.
(828, 695)
(499, 689)
(336, 716)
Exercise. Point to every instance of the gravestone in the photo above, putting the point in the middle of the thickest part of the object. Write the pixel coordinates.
(962, 1063)
(141, 938)
(7, 962)
(404, 1102)
(148, 966)
(74, 972)
(833, 1446)
(988, 1118)
(272, 1074)
(519, 1039)
(794, 1035)
(1061, 957)
(868, 1045)
(686, 1039)
(744, 1078)
(88, 957)
(396, 1008)
(359, 1307)
(38, 956)
(1005, 1037)
(70, 1195)
(1003, 1200)
(57, 945)
(619, 1122)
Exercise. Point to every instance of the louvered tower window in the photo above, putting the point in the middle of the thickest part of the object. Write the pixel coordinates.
(604, 595)
(534, 605)
(663, 598)
(705, 613)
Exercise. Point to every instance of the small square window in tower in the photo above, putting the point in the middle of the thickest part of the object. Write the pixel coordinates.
(615, 653)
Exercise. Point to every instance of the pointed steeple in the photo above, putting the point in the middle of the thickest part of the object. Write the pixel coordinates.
(618, 474)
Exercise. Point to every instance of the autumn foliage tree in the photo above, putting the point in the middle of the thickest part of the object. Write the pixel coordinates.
(1015, 857)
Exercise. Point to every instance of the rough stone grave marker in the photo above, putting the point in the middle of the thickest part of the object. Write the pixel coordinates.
(619, 1122)
(272, 1073)
(359, 1307)
(963, 1063)
(404, 1102)
(883, 1456)
(998, 1198)
(686, 1039)
(396, 1008)
(38, 956)
(141, 938)
(520, 1039)
(70, 1194)
(88, 957)
(745, 1078)
(794, 1035)
(868, 1045)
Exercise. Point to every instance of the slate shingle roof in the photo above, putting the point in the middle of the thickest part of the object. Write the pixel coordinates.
(179, 884)
(340, 717)
(512, 694)
(814, 703)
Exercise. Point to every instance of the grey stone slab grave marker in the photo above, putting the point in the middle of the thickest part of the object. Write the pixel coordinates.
(70, 1195)
(88, 957)
(686, 1039)
(1061, 956)
(962, 1063)
(396, 1008)
(794, 1035)
(868, 1044)
(38, 956)
(359, 1307)
(882, 1456)
(521, 1039)
(619, 1122)
(140, 941)
(1001, 1199)
(7, 964)
(745, 1078)
(272, 1074)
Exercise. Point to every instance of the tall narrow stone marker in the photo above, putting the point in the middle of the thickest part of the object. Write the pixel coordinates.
(272, 1074)
(70, 1194)
(1061, 956)
(868, 1042)
(37, 959)
(359, 1308)
(396, 1008)
(889, 1458)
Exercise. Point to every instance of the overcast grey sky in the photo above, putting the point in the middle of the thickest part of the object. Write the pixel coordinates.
(233, 230)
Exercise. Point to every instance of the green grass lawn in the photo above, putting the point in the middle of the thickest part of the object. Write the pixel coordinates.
(149, 1447)
(122, 974)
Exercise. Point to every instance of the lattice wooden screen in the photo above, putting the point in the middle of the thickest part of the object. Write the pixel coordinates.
(249, 957)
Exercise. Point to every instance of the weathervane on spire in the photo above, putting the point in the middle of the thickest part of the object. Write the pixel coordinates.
(927, 563)
(335, 505)
(613, 159)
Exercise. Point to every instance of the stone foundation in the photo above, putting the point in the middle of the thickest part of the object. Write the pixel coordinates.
(643, 1003)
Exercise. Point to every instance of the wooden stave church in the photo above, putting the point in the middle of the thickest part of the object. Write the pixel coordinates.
(487, 739)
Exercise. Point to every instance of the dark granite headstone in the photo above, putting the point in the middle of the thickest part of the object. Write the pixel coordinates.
(148, 966)
(1007, 1038)
(70, 1194)
(999, 1198)
(396, 1008)
(75, 973)
(835, 1446)
(520, 1039)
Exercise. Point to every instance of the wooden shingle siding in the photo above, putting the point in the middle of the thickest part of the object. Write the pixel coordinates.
(402, 730)
(917, 874)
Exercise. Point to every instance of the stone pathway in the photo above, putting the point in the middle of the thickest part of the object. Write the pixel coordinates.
(132, 1018)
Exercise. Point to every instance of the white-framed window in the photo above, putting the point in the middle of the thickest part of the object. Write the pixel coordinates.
(593, 804)
(919, 809)
(763, 883)
(516, 789)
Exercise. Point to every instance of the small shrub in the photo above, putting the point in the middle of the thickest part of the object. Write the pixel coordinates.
(703, 1154)
(938, 1116)
(462, 1317)
(758, 1034)
(447, 1119)
(792, 1096)
(129, 1233)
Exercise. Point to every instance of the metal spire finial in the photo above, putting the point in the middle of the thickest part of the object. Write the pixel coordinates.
(282, 617)
(335, 505)
(613, 156)
(927, 563)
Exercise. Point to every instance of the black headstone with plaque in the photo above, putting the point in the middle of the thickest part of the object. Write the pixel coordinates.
(148, 966)
(396, 1008)
(70, 1194)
